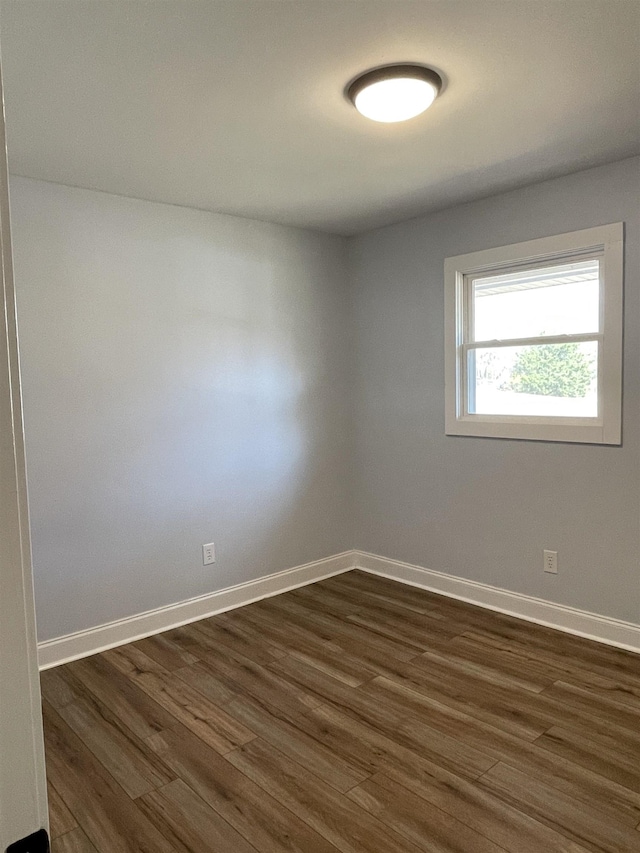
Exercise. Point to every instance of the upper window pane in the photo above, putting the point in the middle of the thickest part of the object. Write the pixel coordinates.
(563, 299)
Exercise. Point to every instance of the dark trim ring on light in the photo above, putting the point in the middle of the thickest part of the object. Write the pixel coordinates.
(398, 72)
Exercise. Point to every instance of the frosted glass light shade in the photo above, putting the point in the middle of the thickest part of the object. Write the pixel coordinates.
(394, 93)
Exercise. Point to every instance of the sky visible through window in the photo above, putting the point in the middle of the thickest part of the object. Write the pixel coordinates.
(557, 379)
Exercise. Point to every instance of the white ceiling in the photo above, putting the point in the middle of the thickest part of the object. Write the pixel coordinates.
(238, 106)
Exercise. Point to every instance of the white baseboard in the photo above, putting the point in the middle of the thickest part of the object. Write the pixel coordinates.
(83, 643)
(603, 629)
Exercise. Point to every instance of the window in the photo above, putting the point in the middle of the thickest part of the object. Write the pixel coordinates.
(534, 339)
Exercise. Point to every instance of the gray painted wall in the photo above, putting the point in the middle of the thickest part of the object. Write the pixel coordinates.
(185, 381)
(478, 508)
(191, 377)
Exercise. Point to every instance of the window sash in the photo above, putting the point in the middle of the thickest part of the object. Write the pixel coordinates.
(466, 389)
(534, 341)
(468, 302)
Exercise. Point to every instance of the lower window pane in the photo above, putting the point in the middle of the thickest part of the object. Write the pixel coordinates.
(546, 380)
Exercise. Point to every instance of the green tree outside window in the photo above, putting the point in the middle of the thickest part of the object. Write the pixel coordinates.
(552, 370)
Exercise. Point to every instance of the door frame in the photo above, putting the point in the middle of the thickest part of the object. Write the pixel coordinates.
(23, 790)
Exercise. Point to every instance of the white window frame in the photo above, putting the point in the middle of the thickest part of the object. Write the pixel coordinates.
(604, 242)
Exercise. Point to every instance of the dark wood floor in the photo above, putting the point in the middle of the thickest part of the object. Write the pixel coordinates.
(354, 715)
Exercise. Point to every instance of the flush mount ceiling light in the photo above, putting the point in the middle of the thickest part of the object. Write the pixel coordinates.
(394, 92)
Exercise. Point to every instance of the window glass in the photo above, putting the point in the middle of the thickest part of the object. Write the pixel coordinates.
(552, 380)
(563, 299)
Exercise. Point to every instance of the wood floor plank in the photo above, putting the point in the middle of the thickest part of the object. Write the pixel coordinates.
(505, 709)
(609, 661)
(332, 815)
(535, 676)
(189, 823)
(202, 679)
(237, 630)
(424, 710)
(221, 636)
(421, 633)
(468, 665)
(528, 659)
(496, 699)
(365, 584)
(300, 642)
(242, 676)
(346, 634)
(584, 824)
(168, 653)
(621, 803)
(131, 705)
(132, 661)
(582, 700)
(507, 826)
(436, 785)
(249, 809)
(294, 741)
(359, 742)
(124, 755)
(607, 760)
(380, 606)
(55, 688)
(510, 710)
(386, 719)
(542, 710)
(351, 671)
(605, 690)
(190, 639)
(460, 615)
(287, 637)
(321, 598)
(426, 624)
(381, 750)
(429, 829)
(502, 708)
(564, 650)
(525, 715)
(74, 841)
(110, 820)
(190, 707)
(61, 820)
(395, 707)
(331, 691)
(372, 597)
(380, 754)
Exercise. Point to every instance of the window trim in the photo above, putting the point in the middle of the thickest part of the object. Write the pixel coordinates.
(606, 242)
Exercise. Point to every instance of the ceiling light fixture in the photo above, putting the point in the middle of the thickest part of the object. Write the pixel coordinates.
(394, 92)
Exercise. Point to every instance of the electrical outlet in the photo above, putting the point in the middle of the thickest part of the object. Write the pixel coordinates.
(208, 554)
(550, 561)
